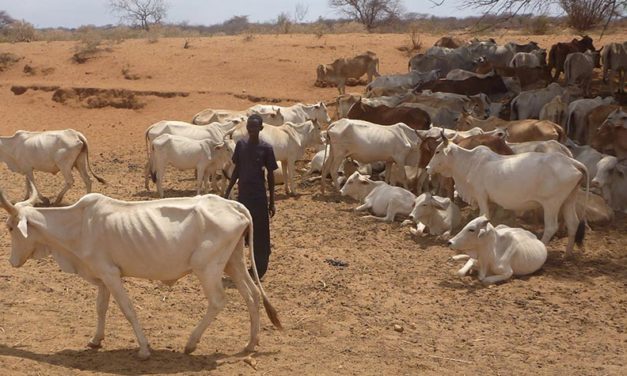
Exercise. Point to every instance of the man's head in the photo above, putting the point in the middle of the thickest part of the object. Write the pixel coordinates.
(254, 124)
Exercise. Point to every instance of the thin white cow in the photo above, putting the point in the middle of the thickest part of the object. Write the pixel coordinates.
(367, 142)
(498, 252)
(516, 182)
(49, 151)
(182, 153)
(103, 240)
(298, 113)
(439, 214)
(289, 142)
(384, 200)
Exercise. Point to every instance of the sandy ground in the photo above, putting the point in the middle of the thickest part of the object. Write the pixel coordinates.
(570, 317)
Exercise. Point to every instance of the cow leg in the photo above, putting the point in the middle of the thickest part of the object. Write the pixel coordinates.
(102, 305)
(569, 212)
(200, 177)
(550, 222)
(211, 282)
(69, 182)
(467, 266)
(286, 177)
(83, 170)
(484, 207)
(291, 167)
(114, 284)
(147, 173)
(160, 176)
(30, 178)
(236, 269)
(505, 275)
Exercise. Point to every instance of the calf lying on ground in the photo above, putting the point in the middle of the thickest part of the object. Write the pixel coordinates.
(381, 198)
(439, 214)
(498, 252)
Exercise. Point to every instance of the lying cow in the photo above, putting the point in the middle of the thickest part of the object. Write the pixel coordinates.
(342, 69)
(439, 214)
(384, 200)
(516, 182)
(103, 239)
(499, 252)
(182, 153)
(49, 151)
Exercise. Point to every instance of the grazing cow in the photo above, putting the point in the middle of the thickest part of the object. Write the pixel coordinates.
(614, 58)
(611, 179)
(298, 113)
(517, 130)
(612, 134)
(342, 69)
(500, 251)
(527, 105)
(535, 58)
(403, 81)
(578, 68)
(516, 182)
(104, 239)
(594, 119)
(415, 118)
(576, 115)
(555, 111)
(368, 142)
(489, 85)
(289, 142)
(384, 200)
(559, 52)
(448, 42)
(439, 214)
(205, 156)
(49, 151)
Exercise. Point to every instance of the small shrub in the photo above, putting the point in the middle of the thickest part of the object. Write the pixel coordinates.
(414, 43)
(7, 59)
(249, 37)
(87, 47)
(20, 31)
(187, 44)
(538, 25)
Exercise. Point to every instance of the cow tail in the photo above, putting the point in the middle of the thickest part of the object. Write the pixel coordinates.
(86, 149)
(270, 310)
(581, 229)
(325, 161)
(552, 62)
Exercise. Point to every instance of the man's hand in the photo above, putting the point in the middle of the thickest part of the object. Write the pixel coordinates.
(271, 209)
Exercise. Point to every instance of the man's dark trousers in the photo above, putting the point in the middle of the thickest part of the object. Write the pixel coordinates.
(258, 208)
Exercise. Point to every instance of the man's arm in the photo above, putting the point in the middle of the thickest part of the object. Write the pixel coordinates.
(271, 209)
(232, 181)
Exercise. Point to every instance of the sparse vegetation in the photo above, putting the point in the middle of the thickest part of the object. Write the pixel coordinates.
(370, 13)
(142, 13)
(538, 25)
(415, 43)
(87, 47)
(7, 59)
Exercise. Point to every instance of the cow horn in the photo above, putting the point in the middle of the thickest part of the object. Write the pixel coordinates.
(7, 205)
(32, 198)
(444, 139)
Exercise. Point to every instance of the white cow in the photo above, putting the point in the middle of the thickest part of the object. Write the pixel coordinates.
(403, 80)
(578, 68)
(103, 239)
(368, 142)
(211, 115)
(498, 252)
(555, 111)
(611, 179)
(549, 146)
(214, 132)
(576, 115)
(298, 113)
(289, 142)
(439, 214)
(384, 200)
(205, 156)
(614, 58)
(49, 151)
(516, 182)
(535, 58)
(527, 105)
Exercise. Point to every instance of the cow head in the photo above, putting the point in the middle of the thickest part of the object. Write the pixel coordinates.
(473, 236)
(427, 149)
(441, 162)
(426, 206)
(321, 73)
(357, 186)
(23, 246)
(321, 113)
(615, 122)
(585, 43)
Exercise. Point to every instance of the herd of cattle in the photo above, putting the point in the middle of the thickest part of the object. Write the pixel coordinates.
(498, 129)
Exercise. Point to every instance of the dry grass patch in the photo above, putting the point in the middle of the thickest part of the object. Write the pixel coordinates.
(7, 59)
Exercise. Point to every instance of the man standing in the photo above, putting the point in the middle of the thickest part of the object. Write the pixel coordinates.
(250, 157)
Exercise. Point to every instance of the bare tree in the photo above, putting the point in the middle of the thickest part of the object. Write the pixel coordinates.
(300, 12)
(371, 13)
(142, 13)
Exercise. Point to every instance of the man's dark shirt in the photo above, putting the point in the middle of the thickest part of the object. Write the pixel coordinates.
(250, 160)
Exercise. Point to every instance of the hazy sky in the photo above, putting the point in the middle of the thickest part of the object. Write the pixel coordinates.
(73, 13)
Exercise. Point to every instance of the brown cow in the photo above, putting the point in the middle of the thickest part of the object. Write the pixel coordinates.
(559, 51)
(342, 69)
(496, 143)
(449, 42)
(594, 120)
(470, 86)
(612, 134)
(415, 118)
(517, 130)
(536, 77)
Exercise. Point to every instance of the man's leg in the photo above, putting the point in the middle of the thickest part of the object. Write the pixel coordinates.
(261, 225)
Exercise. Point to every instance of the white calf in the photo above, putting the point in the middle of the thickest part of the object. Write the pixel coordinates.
(439, 214)
(384, 200)
(500, 252)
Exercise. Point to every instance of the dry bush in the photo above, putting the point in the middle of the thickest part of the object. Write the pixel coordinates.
(87, 47)
(7, 59)
(126, 72)
(349, 28)
(249, 37)
(19, 31)
(538, 25)
(414, 43)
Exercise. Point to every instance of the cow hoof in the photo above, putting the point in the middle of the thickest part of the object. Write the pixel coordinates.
(93, 344)
(250, 347)
(190, 349)
(143, 354)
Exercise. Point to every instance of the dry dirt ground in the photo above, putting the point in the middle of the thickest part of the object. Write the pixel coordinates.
(569, 318)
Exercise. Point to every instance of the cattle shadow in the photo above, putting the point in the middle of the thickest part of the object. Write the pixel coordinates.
(582, 267)
(125, 361)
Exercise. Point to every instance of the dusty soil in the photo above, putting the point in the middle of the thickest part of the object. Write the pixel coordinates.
(570, 317)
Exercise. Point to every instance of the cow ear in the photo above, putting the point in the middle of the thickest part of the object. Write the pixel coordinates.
(22, 225)
(441, 203)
